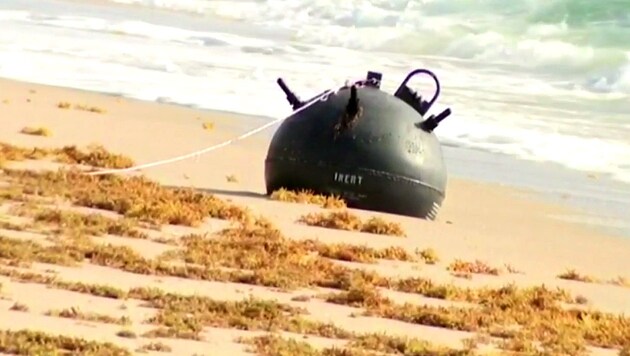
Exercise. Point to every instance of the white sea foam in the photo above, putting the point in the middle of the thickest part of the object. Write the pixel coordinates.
(421, 27)
(545, 99)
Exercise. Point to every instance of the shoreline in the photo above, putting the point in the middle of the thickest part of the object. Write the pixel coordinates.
(588, 200)
(195, 53)
(472, 171)
(584, 199)
(487, 237)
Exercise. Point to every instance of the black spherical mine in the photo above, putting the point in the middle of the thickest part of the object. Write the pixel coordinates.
(374, 149)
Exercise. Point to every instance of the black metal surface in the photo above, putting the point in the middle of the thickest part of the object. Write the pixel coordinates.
(371, 149)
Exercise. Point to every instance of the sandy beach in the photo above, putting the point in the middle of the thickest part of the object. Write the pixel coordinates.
(144, 266)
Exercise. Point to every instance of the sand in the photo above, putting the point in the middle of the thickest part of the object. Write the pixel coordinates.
(479, 221)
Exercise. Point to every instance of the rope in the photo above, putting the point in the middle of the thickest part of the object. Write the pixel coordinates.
(322, 97)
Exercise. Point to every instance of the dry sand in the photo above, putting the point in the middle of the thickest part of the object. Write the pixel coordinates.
(484, 222)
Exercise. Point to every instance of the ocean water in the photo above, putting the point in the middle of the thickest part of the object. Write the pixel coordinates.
(542, 80)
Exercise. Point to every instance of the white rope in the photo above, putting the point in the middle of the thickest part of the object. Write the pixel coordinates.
(322, 97)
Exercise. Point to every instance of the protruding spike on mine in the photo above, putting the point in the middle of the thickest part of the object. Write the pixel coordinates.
(432, 122)
(293, 100)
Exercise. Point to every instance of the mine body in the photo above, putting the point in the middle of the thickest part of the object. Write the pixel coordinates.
(375, 150)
